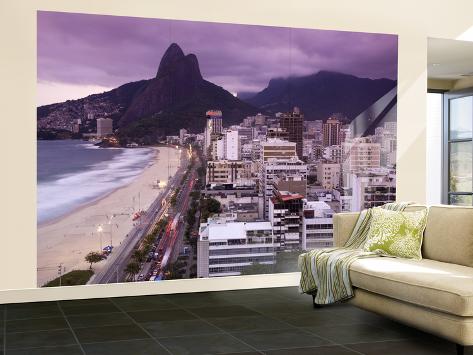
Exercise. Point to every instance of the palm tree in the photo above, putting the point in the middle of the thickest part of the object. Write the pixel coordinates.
(132, 269)
(94, 257)
(139, 256)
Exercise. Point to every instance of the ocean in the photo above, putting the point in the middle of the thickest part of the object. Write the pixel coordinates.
(71, 173)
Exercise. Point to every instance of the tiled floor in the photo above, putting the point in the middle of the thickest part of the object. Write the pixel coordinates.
(263, 321)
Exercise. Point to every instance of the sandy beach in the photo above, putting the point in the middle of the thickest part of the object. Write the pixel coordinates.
(68, 239)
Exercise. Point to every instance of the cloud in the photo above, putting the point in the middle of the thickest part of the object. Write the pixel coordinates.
(107, 51)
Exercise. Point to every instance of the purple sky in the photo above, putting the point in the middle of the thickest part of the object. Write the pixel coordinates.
(79, 53)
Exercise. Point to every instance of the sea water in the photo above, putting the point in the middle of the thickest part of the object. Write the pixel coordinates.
(71, 173)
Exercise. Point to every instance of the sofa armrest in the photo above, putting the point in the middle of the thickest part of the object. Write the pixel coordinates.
(343, 224)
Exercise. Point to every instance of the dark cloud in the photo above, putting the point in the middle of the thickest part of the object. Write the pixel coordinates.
(111, 50)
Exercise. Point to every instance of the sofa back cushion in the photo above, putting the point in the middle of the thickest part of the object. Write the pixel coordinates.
(448, 236)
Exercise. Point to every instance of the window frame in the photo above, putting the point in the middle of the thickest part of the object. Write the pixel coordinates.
(446, 142)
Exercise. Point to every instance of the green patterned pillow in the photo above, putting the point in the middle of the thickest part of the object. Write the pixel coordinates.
(396, 233)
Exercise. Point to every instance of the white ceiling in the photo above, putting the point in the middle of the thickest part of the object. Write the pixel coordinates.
(449, 59)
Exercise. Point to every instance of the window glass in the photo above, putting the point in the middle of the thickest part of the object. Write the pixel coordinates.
(461, 200)
(461, 117)
(461, 162)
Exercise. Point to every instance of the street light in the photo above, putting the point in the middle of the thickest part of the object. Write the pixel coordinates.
(99, 230)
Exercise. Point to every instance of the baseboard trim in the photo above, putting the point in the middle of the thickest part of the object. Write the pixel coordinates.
(149, 288)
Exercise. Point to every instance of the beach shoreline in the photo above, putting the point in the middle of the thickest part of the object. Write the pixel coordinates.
(98, 198)
(66, 240)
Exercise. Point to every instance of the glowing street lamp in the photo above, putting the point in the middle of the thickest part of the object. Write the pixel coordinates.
(99, 230)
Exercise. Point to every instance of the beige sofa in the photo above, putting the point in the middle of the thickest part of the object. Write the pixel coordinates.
(434, 294)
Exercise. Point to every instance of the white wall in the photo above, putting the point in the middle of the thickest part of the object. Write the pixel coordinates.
(412, 21)
(434, 149)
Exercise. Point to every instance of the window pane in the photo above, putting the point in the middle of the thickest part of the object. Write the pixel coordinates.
(461, 162)
(461, 200)
(461, 117)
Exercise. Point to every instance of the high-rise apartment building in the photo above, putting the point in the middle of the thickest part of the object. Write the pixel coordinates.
(213, 126)
(285, 215)
(328, 175)
(293, 123)
(331, 132)
(228, 172)
(232, 145)
(275, 169)
(360, 155)
(372, 189)
(104, 127)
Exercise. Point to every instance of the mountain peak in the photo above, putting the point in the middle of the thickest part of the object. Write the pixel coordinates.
(172, 55)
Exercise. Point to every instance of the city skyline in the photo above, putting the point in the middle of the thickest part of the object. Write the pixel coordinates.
(83, 54)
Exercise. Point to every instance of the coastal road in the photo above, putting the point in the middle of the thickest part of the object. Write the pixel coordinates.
(172, 240)
(112, 271)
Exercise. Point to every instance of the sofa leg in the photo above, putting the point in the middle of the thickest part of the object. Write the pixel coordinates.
(315, 304)
(460, 349)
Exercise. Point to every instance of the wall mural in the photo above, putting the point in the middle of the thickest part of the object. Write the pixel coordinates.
(177, 149)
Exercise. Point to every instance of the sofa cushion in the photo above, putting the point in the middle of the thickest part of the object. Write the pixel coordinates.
(448, 236)
(396, 233)
(433, 284)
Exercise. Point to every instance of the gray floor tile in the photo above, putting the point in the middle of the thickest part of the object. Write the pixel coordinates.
(276, 321)
(25, 311)
(57, 350)
(278, 339)
(241, 324)
(128, 347)
(320, 350)
(94, 320)
(25, 325)
(223, 311)
(96, 308)
(39, 339)
(161, 315)
(180, 328)
(281, 307)
(204, 344)
(143, 303)
(314, 318)
(109, 333)
(355, 333)
(406, 347)
(85, 302)
(199, 299)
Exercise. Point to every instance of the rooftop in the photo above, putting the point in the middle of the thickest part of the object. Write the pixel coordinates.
(234, 230)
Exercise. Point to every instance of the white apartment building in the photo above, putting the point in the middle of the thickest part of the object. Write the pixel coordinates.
(272, 169)
(232, 145)
(333, 153)
(217, 148)
(328, 175)
(317, 225)
(225, 248)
